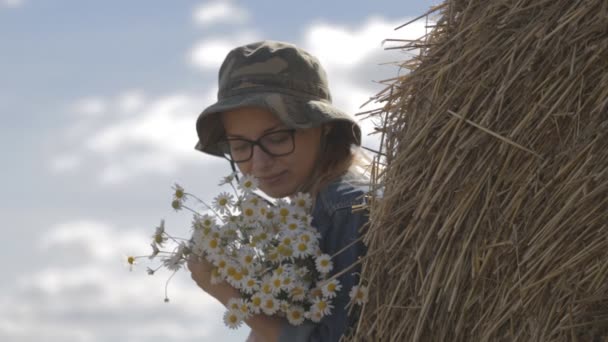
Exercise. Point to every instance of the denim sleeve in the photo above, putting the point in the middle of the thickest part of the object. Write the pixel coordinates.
(344, 228)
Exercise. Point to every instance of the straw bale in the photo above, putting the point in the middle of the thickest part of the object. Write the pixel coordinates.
(494, 221)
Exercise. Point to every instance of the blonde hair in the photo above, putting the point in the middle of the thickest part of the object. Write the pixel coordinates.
(338, 154)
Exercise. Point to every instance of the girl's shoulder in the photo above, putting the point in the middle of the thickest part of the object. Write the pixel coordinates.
(344, 192)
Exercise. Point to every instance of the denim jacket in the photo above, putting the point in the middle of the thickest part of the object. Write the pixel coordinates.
(339, 226)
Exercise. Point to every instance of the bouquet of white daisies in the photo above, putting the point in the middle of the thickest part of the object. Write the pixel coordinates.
(268, 251)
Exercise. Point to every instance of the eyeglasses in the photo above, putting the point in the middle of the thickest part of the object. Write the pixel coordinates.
(276, 144)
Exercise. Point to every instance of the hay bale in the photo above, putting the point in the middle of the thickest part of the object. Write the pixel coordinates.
(494, 221)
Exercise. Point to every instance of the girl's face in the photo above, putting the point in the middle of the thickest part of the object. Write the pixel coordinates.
(279, 176)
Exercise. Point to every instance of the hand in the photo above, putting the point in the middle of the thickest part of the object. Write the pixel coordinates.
(200, 270)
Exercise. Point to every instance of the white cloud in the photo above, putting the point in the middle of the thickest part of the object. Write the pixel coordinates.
(98, 241)
(94, 298)
(141, 136)
(352, 57)
(131, 101)
(220, 12)
(209, 54)
(90, 106)
(11, 3)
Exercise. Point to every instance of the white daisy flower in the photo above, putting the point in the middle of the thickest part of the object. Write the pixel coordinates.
(285, 252)
(277, 283)
(267, 288)
(248, 184)
(324, 264)
(241, 305)
(250, 285)
(270, 305)
(179, 193)
(174, 262)
(247, 258)
(302, 271)
(295, 315)
(211, 245)
(284, 306)
(233, 319)
(285, 212)
(359, 294)
(321, 305)
(314, 316)
(302, 201)
(203, 221)
(297, 293)
(331, 288)
(293, 224)
(159, 236)
(227, 179)
(249, 212)
(223, 202)
(302, 249)
(255, 304)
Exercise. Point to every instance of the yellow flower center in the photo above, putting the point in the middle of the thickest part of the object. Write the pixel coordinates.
(322, 305)
(213, 243)
(302, 247)
(284, 212)
(331, 287)
(223, 201)
(256, 301)
(131, 260)
(248, 212)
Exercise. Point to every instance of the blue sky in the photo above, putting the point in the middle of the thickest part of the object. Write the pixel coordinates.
(98, 102)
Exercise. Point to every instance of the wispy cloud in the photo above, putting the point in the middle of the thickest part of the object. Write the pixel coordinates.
(219, 12)
(11, 3)
(90, 106)
(133, 135)
(208, 54)
(88, 296)
(355, 60)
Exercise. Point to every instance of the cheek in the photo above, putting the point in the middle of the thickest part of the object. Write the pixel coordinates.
(305, 157)
(244, 168)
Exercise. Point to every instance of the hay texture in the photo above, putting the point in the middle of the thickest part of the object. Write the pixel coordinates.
(494, 220)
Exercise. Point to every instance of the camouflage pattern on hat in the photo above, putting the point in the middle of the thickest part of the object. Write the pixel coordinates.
(277, 76)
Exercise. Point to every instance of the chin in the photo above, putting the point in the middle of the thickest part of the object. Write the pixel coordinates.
(279, 191)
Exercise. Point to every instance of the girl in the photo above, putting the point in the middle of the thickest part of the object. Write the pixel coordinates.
(274, 120)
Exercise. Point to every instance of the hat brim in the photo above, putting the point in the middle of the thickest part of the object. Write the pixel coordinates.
(294, 111)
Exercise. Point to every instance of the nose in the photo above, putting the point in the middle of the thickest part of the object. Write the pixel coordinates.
(260, 160)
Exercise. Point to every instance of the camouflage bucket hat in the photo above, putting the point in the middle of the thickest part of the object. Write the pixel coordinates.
(277, 76)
